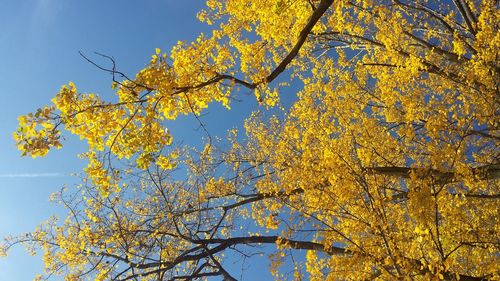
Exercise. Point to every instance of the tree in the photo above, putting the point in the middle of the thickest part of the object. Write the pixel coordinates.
(385, 167)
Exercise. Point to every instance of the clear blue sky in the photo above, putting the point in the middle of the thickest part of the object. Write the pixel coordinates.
(39, 44)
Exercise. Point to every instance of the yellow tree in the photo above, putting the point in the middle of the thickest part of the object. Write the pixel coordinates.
(386, 166)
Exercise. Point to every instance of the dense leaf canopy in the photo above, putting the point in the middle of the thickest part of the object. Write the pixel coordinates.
(386, 165)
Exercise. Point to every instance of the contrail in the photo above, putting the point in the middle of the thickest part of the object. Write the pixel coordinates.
(31, 175)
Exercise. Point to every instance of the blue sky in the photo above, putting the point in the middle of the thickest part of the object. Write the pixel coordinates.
(39, 44)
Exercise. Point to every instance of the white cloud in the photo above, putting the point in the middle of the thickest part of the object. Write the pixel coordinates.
(31, 175)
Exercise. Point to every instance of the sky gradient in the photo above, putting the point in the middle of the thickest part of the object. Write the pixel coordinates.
(39, 44)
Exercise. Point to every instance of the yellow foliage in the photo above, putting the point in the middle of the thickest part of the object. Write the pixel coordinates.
(385, 166)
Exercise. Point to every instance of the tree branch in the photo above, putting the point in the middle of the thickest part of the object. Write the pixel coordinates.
(489, 172)
(318, 12)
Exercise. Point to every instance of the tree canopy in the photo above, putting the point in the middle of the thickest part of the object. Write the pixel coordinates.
(385, 167)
